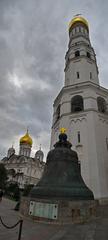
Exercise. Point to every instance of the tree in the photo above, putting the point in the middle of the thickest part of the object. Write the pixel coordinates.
(13, 191)
(3, 176)
(27, 189)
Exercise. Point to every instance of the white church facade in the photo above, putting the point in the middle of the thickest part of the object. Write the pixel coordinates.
(82, 108)
(23, 168)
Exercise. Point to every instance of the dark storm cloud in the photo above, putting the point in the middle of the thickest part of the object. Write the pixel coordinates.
(33, 43)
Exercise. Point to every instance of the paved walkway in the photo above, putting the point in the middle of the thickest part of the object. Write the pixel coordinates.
(96, 230)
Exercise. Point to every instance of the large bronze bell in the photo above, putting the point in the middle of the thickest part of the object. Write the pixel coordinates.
(62, 178)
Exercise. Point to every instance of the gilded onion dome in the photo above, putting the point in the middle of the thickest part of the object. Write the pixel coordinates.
(39, 154)
(78, 19)
(26, 139)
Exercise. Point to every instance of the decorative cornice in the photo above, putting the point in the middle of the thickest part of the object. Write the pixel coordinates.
(74, 60)
(80, 86)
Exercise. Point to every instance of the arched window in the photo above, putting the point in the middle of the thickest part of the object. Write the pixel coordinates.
(79, 29)
(79, 138)
(58, 112)
(77, 53)
(77, 104)
(90, 75)
(88, 55)
(101, 104)
(78, 76)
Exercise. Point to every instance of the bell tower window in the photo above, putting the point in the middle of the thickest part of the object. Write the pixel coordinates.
(88, 55)
(79, 139)
(101, 104)
(77, 104)
(78, 76)
(77, 53)
(90, 75)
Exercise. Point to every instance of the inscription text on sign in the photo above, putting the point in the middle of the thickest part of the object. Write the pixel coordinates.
(45, 210)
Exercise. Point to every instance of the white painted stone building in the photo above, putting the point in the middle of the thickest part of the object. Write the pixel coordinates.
(82, 108)
(22, 168)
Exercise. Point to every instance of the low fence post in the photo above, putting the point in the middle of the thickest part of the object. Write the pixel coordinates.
(20, 229)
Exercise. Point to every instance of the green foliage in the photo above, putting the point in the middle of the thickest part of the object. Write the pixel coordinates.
(3, 176)
(27, 189)
(13, 191)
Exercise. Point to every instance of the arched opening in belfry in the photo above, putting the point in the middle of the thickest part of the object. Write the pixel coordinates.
(88, 55)
(77, 53)
(77, 104)
(101, 103)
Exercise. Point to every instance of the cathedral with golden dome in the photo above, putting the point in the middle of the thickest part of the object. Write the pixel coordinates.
(23, 168)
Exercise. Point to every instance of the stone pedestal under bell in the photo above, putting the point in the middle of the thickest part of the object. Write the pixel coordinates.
(58, 211)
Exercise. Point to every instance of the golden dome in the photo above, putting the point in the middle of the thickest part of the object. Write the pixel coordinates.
(26, 139)
(77, 19)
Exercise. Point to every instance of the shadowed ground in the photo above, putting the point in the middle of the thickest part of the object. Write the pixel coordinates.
(95, 230)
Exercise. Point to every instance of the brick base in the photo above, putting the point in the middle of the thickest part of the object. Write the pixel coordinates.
(68, 211)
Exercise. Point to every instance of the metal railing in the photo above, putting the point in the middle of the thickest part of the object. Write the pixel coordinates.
(20, 222)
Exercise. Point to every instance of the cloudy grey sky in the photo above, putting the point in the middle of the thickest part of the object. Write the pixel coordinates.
(33, 43)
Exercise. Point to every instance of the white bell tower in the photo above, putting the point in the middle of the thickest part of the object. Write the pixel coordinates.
(80, 58)
(82, 108)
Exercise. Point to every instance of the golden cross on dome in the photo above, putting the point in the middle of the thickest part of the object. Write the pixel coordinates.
(77, 15)
(27, 130)
(63, 130)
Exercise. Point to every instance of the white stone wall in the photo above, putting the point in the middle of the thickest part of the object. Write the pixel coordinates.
(93, 128)
(84, 66)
